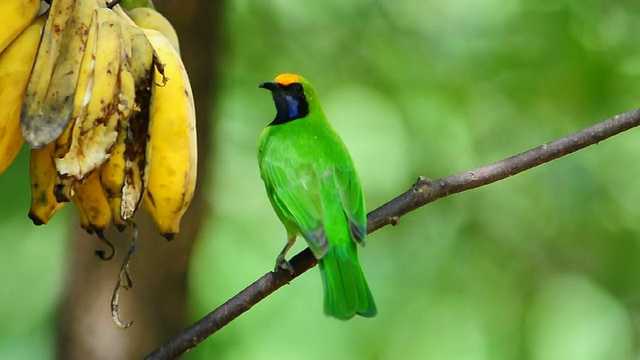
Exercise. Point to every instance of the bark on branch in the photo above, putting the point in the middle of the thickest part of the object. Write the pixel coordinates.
(423, 192)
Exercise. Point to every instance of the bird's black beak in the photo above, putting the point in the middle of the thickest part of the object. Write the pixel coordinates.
(270, 85)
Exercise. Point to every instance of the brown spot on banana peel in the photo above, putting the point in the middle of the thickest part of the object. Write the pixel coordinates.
(35, 219)
(135, 153)
(160, 67)
(64, 188)
(151, 199)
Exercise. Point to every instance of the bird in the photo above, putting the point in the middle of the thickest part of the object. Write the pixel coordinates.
(312, 184)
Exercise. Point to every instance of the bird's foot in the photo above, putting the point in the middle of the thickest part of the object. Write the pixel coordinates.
(281, 263)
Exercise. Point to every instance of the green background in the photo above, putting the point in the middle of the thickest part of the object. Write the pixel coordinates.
(543, 265)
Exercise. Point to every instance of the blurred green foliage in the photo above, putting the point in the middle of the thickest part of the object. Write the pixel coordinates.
(541, 266)
(32, 268)
(544, 265)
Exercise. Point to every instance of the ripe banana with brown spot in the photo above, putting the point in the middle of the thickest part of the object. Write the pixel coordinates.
(16, 15)
(92, 204)
(95, 129)
(124, 175)
(83, 89)
(137, 150)
(112, 179)
(15, 67)
(48, 103)
(65, 183)
(42, 176)
(172, 131)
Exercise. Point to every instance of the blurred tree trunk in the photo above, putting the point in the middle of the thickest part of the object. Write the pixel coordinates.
(157, 301)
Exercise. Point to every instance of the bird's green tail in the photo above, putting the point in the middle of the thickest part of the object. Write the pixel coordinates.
(346, 292)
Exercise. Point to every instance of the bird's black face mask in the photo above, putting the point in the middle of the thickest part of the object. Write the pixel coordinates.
(290, 101)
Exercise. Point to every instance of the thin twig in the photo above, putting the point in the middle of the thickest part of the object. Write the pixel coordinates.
(426, 191)
(124, 279)
(421, 193)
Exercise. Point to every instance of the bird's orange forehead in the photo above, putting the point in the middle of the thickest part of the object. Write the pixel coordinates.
(286, 79)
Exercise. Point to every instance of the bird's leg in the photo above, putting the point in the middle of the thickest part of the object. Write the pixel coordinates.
(281, 262)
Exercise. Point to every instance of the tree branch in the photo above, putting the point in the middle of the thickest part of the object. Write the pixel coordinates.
(423, 192)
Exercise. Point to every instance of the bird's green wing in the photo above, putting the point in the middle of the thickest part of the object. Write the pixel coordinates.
(348, 185)
(296, 195)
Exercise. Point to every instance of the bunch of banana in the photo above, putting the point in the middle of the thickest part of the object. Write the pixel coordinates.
(103, 100)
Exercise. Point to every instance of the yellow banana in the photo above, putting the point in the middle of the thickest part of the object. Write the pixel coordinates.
(83, 89)
(148, 18)
(43, 177)
(95, 129)
(15, 16)
(138, 152)
(49, 100)
(112, 179)
(172, 138)
(113, 170)
(124, 174)
(64, 183)
(92, 204)
(15, 66)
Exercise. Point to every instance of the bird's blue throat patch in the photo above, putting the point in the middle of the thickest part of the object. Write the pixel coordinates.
(291, 104)
(293, 107)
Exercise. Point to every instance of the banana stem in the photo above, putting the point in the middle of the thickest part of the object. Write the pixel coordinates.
(124, 279)
(101, 253)
(112, 3)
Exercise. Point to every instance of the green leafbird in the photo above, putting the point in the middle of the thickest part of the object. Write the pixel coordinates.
(314, 189)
